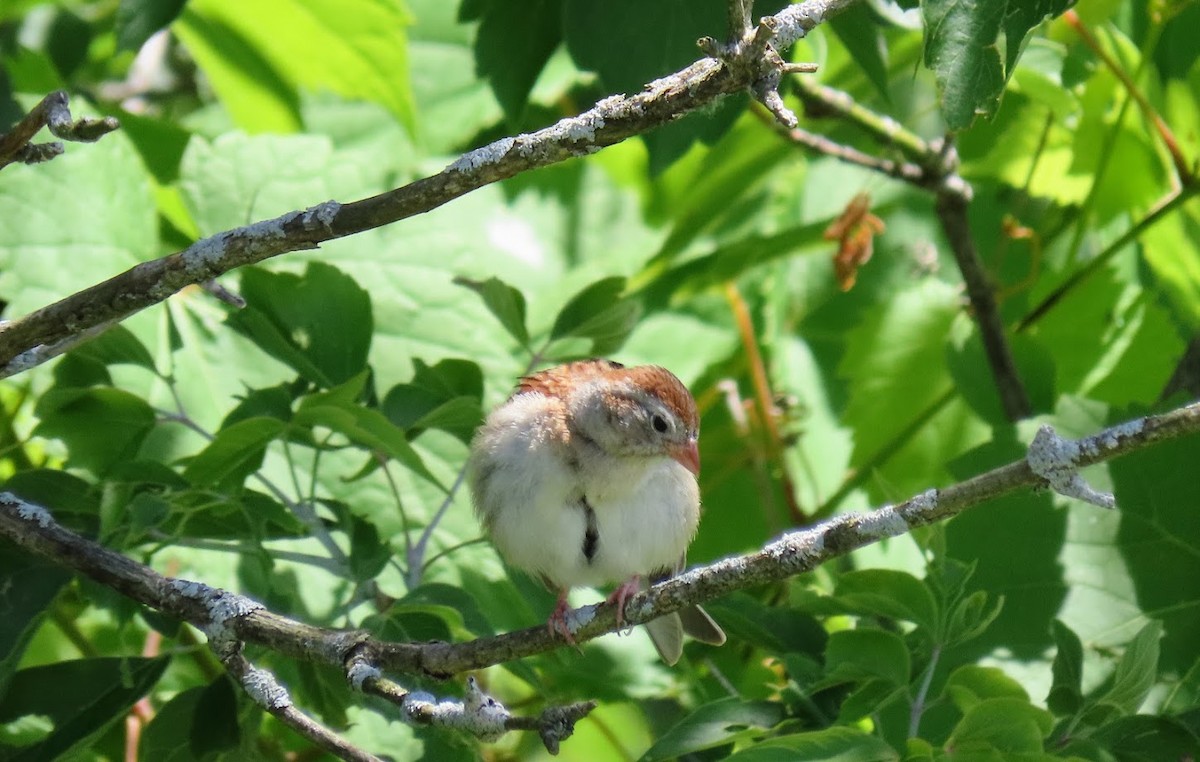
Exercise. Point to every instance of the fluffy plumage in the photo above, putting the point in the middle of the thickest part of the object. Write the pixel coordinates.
(587, 476)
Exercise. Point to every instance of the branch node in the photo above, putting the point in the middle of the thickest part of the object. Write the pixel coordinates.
(223, 294)
(711, 48)
(361, 671)
(1057, 461)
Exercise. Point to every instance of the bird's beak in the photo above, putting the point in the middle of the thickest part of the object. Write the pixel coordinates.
(688, 455)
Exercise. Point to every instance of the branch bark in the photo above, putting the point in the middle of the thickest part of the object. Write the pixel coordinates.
(224, 616)
(54, 113)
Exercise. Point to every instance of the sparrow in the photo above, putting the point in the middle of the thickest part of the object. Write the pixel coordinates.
(586, 476)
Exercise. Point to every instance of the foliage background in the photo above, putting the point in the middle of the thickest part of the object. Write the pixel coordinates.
(348, 387)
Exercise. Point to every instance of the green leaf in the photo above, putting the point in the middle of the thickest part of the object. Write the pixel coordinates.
(255, 93)
(894, 361)
(60, 492)
(100, 427)
(513, 44)
(138, 19)
(970, 684)
(117, 346)
(1005, 725)
(971, 616)
(840, 744)
(88, 696)
(454, 104)
(868, 698)
(195, 723)
(319, 323)
(1136, 671)
(234, 453)
(864, 654)
(270, 402)
(1177, 278)
(445, 396)
(860, 32)
(1066, 691)
(888, 593)
(962, 48)
(599, 313)
(358, 55)
(783, 630)
(714, 724)
(1144, 738)
(503, 301)
(1020, 17)
(30, 584)
(337, 410)
(1157, 541)
(97, 200)
(369, 553)
(456, 599)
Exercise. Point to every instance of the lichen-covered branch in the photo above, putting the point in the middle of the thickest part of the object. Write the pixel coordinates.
(229, 619)
(54, 113)
(38, 336)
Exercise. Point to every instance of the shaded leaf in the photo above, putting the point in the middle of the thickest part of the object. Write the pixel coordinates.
(599, 313)
(100, 426)
(1066, 691)
(503, 301)
(88, 696)
(138, 19)
(514, 41)
(720, 722)
(1004, 725)
(234, 453)
(319, 323)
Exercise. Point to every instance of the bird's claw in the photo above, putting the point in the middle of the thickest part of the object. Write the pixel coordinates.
(557, 624)
(620, 595)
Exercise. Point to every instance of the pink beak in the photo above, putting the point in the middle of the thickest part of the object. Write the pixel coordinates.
(688, 456)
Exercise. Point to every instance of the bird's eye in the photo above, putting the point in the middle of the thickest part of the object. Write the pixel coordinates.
(659, 423)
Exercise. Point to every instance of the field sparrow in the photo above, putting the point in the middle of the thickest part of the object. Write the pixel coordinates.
(587, 476)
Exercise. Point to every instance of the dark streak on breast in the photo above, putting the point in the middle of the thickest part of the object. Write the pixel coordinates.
(591, 535)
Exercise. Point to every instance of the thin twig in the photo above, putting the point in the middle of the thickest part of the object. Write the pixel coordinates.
(1186, 171)
(53, 112)
(1165, 206)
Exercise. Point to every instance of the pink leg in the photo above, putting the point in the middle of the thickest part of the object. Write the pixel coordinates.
(621, 594)
(558, 619)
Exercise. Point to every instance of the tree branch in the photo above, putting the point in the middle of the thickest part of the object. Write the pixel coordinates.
(229, 619)
(53, 112)
(35, 338)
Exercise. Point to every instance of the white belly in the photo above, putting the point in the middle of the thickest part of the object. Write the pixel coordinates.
(646, 510)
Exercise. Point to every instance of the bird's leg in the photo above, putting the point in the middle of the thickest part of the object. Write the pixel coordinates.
(558, 618)
(621, 594)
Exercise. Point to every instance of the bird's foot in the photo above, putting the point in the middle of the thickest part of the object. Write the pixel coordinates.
(557, 624)
(621, 594)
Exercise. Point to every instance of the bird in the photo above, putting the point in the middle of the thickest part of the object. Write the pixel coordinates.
(587, 476)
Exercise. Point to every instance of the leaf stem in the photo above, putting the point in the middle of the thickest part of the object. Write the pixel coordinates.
(918, 705)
